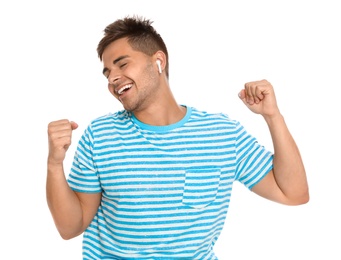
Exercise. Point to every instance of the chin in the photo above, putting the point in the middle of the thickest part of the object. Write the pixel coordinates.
(128, 108)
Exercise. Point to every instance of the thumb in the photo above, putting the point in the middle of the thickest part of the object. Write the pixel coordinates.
(242, 95)
(74, 125)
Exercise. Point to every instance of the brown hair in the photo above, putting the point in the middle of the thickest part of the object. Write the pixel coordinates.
(140, 34)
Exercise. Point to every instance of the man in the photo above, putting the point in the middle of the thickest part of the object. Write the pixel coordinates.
(154, 180)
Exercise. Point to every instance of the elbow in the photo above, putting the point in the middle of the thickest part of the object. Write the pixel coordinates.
(302, 199)
(68, 234)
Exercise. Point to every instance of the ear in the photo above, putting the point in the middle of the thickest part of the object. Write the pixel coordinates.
(160, 61)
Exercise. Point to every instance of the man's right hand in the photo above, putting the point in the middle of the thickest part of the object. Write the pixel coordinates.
(59, 136)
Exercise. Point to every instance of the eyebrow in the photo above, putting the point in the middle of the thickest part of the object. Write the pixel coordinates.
(115, 61)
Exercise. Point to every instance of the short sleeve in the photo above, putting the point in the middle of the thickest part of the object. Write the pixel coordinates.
(83, 176)
(253, 160)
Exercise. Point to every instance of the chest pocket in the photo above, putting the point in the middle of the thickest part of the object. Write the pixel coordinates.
(201, 187)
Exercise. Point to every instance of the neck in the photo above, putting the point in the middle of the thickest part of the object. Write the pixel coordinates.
(163, 112)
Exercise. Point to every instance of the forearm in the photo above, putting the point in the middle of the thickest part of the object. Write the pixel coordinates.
(288, 166)
(63, 203)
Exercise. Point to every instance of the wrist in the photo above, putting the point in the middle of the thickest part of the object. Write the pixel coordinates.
(273, 118)
(51, 164)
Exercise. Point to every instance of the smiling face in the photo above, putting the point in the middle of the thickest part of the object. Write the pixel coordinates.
(132, 75)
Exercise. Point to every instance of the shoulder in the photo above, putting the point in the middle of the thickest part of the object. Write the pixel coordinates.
(212, 117)
(114, 120)
(111, 118)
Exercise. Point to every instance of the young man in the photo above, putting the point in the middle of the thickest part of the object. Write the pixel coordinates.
(154, 180)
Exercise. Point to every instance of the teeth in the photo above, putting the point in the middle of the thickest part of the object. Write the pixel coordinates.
(124, 88)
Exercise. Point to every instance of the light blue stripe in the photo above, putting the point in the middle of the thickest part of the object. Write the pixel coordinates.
(166, 190)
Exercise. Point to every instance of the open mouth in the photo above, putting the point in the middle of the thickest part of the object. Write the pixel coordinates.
(124, 89)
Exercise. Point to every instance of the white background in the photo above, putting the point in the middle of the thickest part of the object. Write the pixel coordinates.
(50, 70)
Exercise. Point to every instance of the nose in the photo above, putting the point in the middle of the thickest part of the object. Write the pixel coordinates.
(113, 77)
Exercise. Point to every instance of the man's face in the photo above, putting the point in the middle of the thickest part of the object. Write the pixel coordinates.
(131, 75)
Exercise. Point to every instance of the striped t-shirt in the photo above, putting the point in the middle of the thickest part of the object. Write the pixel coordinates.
(165, 189)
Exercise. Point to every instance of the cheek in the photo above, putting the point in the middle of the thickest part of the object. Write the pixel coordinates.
(112, 91)
(149, 75)
(144, 77)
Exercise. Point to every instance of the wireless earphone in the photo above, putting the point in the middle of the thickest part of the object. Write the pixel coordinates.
(158, 62)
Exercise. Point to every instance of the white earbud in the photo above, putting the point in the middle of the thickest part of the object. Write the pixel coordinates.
(158, 62)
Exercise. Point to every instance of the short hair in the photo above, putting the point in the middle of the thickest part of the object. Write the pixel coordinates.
(140, 34)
